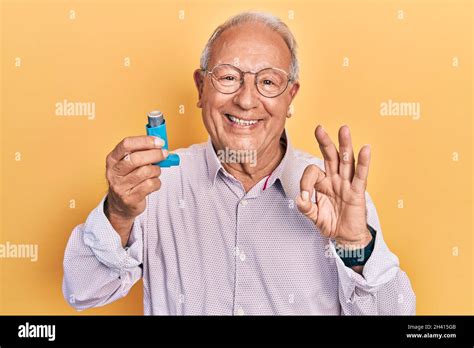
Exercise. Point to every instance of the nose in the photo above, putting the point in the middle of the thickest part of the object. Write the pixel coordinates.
(247, 97)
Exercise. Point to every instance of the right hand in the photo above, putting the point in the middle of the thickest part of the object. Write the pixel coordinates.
(131, 177)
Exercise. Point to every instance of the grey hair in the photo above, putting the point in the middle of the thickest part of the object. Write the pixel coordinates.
(267, 19)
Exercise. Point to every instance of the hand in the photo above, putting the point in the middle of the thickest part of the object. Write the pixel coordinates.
(131, 177)
(340, 208)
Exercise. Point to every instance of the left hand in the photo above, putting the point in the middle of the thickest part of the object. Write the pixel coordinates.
(340, 208)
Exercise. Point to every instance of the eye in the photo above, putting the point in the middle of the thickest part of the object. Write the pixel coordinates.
(228, 79)
(268, 82)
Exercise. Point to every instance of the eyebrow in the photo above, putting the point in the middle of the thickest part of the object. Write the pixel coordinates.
(252, 71)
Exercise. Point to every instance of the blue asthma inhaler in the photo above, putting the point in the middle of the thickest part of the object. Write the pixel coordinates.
(157, 127)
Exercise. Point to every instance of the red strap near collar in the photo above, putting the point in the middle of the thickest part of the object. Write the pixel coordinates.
(266, 181)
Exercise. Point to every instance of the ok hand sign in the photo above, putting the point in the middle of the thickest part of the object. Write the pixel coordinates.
(340, 208)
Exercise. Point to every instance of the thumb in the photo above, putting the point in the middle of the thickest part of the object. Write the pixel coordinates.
(306, 206)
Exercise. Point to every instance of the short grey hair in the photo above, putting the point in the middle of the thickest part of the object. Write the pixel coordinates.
(267, 19)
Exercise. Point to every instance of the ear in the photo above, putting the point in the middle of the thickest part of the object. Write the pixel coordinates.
(295, 87)
(199, 82)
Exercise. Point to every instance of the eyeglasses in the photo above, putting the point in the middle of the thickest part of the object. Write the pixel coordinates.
(270, 82)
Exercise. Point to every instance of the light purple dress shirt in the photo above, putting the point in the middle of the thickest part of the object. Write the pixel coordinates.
(205, 246)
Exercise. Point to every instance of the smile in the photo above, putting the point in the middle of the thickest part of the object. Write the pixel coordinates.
(241, 122)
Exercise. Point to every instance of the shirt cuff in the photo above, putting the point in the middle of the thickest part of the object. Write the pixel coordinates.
(381, 267)
(106, 244)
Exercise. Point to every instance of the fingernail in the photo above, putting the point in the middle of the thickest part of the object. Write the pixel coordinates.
(305, 195)
(165, 153)
(159, 142)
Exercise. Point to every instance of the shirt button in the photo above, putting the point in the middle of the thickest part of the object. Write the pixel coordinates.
(242, 256)
(244, 202)
(240, 311)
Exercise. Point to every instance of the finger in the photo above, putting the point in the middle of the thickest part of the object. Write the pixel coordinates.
(329, 151)
(140, 174)
(346, 154)
(307, 208)
(136, 143)
(311, 177)
(144, 188)
(359, 182)
(137, 159)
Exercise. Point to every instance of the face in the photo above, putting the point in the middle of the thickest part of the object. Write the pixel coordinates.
(250, 47)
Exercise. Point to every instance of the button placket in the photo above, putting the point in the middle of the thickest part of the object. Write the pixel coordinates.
(239, 257)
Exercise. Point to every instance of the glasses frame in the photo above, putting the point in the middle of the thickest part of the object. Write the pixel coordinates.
(242, 76)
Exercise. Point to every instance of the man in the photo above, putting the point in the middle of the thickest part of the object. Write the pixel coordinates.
(217, 235)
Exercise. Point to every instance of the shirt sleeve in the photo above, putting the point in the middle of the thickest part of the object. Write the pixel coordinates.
(97, 269)
(382, 288)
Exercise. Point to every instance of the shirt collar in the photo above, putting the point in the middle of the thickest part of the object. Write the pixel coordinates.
(286, 172)
(213, 163)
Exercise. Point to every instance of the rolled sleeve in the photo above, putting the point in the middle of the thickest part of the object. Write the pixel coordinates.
(381, 267)
(106, 244)
(382, 288)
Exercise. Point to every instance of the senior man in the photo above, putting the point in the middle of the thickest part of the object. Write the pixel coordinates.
(284, 234)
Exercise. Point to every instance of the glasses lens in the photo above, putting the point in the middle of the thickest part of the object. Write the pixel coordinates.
(271, 82)
(226, 78)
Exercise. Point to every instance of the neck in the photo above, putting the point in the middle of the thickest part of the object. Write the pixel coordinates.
(250, 174)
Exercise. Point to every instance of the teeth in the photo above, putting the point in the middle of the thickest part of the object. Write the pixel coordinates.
(241, 122)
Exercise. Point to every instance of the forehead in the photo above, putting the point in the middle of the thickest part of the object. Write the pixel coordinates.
(252, 46)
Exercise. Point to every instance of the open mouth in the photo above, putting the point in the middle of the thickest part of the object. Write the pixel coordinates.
(241, 122)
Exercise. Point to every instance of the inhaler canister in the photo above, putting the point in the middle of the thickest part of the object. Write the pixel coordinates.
(157, 127)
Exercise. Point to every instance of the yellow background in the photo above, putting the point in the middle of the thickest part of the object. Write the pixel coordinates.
(82, 59)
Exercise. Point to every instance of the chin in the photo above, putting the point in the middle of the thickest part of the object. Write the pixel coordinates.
(241, 142)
